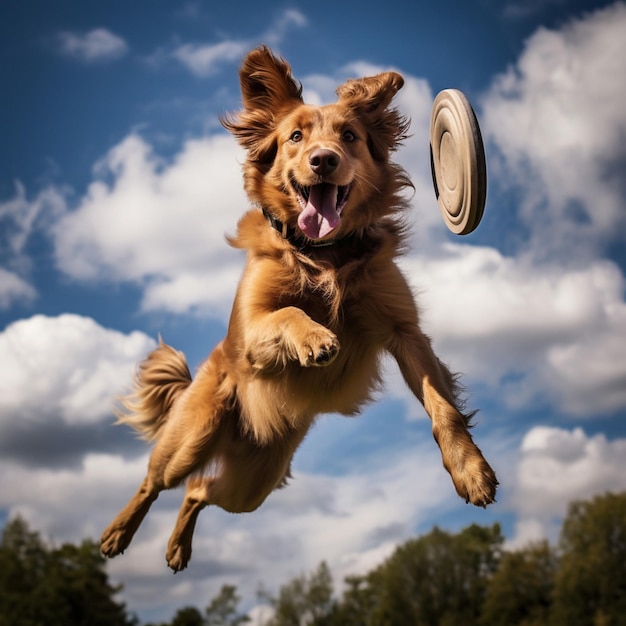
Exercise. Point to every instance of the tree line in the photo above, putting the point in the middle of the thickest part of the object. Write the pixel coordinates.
(438, 579)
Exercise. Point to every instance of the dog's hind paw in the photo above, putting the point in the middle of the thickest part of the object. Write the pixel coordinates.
(177, 557)
(114, 541)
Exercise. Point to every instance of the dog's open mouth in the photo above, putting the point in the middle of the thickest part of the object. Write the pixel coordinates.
(321, 207)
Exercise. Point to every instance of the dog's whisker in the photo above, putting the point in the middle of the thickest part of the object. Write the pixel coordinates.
(366, 183)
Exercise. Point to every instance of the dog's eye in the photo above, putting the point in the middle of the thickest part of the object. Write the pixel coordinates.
(348, 136)
(296, 136)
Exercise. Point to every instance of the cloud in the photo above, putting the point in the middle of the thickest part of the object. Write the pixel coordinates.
(558, 466)
(204, 59)
(14, 289)
(548, 335)
(557, 119)
(58, 380)
(353, 521)
(541, 328)
(19, 219)
(288, 19)
(543, 323)
(94, 46)
(161, 224)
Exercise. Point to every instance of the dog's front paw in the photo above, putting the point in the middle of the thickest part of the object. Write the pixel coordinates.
(318, 348)
(477, 482)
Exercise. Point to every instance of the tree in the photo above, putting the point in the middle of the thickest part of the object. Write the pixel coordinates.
(223, 609)
(439, 579)
(357, 603)
(590, 587)
(188, 616)
(520, 592)
(67, 585)
(305, 601)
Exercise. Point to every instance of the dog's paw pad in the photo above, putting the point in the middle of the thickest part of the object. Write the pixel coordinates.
(321, 350)
(326, 355)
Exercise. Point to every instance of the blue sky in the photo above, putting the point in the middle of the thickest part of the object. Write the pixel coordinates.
(117, 185)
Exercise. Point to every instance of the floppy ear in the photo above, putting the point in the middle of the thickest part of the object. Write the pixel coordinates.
(267, 88)
(370, 97)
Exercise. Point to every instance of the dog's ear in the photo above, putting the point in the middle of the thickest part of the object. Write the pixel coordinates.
(267, 82)
(370, 97)
(267, 88)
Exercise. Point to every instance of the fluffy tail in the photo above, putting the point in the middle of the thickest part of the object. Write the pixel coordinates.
(160, 379)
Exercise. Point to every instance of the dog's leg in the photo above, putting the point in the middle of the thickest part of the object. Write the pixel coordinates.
(183, 446)
(118, 535)
(179, 546)
(436, 388)
(244, 478)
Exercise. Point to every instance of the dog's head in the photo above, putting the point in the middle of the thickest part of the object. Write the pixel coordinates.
(322, 169)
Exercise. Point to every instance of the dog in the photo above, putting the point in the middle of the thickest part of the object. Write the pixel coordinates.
(321, 299)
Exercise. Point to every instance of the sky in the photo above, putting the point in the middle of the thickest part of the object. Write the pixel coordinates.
(118, 185)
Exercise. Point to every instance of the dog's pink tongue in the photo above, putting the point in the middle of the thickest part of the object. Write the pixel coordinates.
(320, 215)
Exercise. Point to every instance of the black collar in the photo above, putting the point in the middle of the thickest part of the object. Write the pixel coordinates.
(289, 234)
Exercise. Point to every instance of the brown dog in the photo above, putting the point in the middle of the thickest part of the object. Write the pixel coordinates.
(319, 302)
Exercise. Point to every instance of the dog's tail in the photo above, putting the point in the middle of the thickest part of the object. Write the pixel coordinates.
(160, 379)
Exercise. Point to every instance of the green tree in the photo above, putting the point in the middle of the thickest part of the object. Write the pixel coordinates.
(188, 616)
(357, 602)
(185, 616)
(45, 585)
(439, 579)
(520, 592)
(590, 587)
(305, 600)
(223, 609)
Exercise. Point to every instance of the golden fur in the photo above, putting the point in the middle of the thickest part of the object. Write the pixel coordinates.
(310, 321)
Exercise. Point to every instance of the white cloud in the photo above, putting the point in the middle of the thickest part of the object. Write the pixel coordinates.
(352, 521)
(19, 218)
(552, 325)
(14, 289)
(162, 224)
(204, 60)
(88, 494)
(290, 18)
(558, 119)
(556, 331)
(556, 467)
(549, 325)
(65, 367)
(96, 45)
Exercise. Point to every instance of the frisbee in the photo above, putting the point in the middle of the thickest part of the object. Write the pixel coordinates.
(457, 160)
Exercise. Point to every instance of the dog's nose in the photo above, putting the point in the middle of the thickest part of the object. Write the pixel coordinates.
(323, 161)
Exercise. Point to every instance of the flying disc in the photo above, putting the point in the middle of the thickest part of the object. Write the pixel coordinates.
(457, 159)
